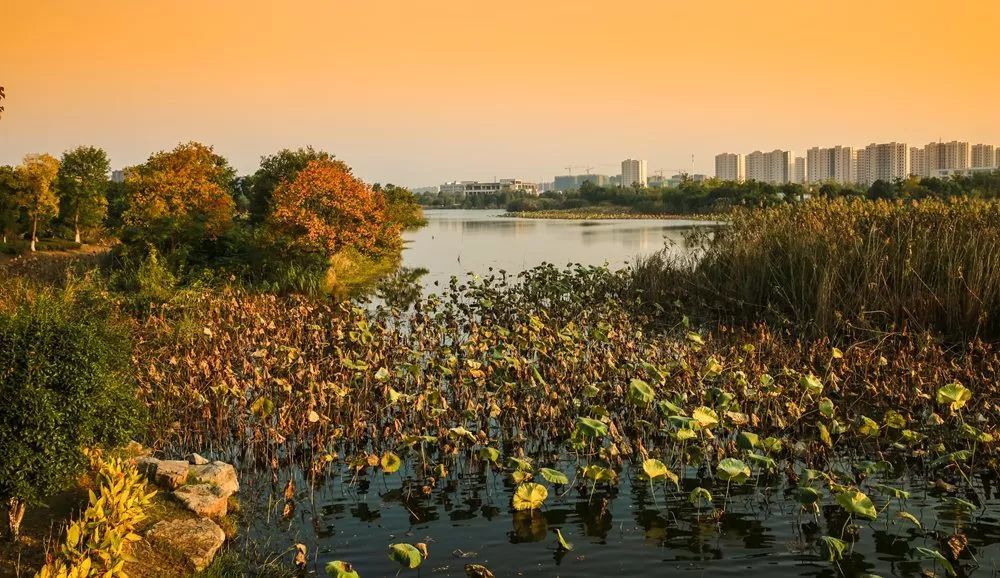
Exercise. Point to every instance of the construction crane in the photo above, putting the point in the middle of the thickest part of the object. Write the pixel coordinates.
(569, 169)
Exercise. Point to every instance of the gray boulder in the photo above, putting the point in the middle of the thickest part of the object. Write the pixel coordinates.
(171, 474)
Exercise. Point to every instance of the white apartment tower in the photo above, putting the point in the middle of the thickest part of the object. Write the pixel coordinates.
(837, 164)
(730, 167)
(941, 155)
(800, 170)
(883, 162)
(633, 172)
(918, 162)
(983, 156)
(776, 167)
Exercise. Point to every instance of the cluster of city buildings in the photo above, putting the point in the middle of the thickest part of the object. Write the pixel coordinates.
(860, 166)
(634, 172)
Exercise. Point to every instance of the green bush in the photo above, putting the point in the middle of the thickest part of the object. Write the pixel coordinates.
(65, 386)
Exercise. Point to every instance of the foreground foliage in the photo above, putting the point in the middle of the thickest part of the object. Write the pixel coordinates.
(64, 381)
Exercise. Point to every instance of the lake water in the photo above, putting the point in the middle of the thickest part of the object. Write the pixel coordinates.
(457, 242)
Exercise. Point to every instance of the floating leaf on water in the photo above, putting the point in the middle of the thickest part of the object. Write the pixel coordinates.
(640, 392)
(855, 502)
(477, 571)
(961, 504)
(341, 569)
(954, 394)
(733, 470)
(832, 548)
(390, 462)
(406, 555)
(553, 476)
(529, 496)
(909, 518)
(563, 544)
(928, 554)
(894, 492)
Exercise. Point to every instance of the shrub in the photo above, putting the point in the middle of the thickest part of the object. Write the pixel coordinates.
(65, 384)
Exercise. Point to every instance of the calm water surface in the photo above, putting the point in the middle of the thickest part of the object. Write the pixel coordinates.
(457, 242)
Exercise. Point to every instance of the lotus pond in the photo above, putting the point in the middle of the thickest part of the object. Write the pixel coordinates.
(544, 425)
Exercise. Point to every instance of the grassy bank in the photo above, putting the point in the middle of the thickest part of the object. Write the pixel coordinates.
(834, 266)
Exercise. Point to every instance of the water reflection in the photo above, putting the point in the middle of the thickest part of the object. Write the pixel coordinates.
(631, 530)
(455, 242)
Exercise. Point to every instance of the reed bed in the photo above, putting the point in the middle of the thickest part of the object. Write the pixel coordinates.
(835, 266)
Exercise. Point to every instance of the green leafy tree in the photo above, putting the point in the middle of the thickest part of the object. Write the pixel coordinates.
(8, 201)
(83, 186)
(37, 195)
(64, 379)
(275, 169)
(401, 206)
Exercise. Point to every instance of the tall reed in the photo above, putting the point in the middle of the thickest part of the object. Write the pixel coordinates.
(830, 266)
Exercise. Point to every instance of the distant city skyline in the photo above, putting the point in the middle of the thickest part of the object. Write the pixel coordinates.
(391, 90)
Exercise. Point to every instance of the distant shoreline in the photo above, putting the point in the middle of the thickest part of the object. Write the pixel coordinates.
(597, 214)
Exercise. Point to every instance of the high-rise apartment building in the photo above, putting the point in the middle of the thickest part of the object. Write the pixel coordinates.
(837, 164)
(883, 162)
(800, 170)
(938, 156)
(983, 155)
(918, 162)
(776, 167)
(633, 172)
(730, 167)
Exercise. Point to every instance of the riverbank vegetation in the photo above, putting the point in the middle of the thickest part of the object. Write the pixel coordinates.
(830, 356)
(713, 196)
(302, 222)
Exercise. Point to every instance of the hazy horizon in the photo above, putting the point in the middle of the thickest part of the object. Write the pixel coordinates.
(419, 94)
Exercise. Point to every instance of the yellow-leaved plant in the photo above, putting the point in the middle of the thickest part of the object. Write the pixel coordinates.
(97, 543)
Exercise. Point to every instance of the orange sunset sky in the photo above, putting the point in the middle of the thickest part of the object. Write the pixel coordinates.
(420, 92)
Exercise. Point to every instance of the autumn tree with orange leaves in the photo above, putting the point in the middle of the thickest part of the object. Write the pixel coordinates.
(326, 209)
(180, 197)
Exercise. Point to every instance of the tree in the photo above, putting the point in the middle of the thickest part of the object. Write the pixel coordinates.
(402, 207)
(283, 166)
(83, 185)
(66, 387)
(9, 209)
(37, 194)
(326, 209)
(177, 198)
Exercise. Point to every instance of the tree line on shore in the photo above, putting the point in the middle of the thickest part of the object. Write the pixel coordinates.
(189, 206)
(714, 195)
